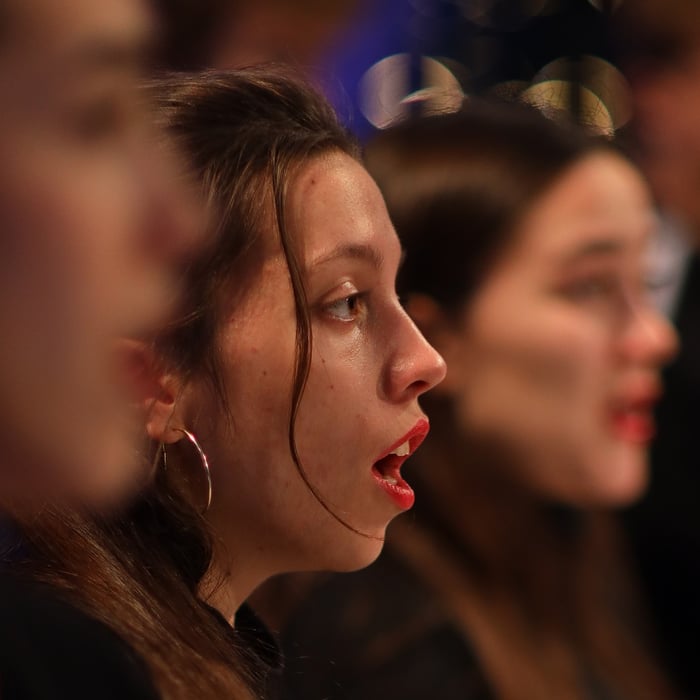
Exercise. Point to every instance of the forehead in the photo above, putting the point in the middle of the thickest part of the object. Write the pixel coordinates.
(68, 25)
(334, 201)
(600, 198)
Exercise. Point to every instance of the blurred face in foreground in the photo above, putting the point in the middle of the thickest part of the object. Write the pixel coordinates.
(82, 231)
(557, 357)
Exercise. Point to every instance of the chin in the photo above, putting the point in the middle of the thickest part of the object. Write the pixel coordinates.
(358, 554)
(624, 480)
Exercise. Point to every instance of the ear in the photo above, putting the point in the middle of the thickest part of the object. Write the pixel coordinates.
(156, 391)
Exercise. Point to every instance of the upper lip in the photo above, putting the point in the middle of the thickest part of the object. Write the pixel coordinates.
(414, 437)
(640, 396)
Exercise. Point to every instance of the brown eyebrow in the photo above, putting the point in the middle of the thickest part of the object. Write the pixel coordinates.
(353, 251)
(602, 247)
(135, 52)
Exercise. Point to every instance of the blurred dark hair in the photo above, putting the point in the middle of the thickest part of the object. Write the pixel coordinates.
(655, 34)
(192, 29)
(189, 29)
(456, 186)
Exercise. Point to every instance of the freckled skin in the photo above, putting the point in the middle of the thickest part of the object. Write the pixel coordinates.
(361, 396)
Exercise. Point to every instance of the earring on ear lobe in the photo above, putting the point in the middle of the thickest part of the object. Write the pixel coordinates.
(202, 458)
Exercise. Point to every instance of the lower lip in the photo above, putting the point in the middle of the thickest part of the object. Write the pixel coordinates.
(637, 428)
(400, 492)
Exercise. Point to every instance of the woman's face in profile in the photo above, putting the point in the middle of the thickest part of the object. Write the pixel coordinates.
(558, 356)
(77, 210)
(369, 365)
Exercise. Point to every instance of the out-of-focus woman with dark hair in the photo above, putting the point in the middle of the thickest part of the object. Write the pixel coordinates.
(525, 246)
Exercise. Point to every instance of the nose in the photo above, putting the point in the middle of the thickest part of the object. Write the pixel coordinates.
(414, 366)
(163, 221)
(649, 338)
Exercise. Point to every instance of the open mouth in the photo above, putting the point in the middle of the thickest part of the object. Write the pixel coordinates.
(387, 469)
(632, 416)
(634, 423)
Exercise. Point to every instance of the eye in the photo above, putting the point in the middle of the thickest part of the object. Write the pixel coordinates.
(655, 282)
(592, 288)
(100, 120)
(346, 309)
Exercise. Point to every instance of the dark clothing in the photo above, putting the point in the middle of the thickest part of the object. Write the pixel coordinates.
(260, 649)
(665, 527)
(375, 635)
(49, 650)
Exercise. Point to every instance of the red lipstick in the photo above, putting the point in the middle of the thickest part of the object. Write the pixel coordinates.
(632, 418)
(634, 425)
(386, 469)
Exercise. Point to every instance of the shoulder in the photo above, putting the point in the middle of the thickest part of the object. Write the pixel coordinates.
(49, 649)
(374, 634)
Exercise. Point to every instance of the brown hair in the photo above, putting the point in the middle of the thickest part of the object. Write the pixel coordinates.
(456, 185)
(244, 134)
(192, 30)
(655, 34)
(523, 579)
(189, 29)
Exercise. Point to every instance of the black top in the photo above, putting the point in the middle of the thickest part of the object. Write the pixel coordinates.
(665, 526)
(258, 648)
(49, 650)
(378, 634)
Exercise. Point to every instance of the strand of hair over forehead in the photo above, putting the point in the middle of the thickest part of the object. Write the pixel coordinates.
(275, 85)
(302, 364)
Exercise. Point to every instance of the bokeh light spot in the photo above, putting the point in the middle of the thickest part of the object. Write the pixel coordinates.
(386, 96)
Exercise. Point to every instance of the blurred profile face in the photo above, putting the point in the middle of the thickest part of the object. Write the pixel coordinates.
(557, 357)
(359, 417)
(77, 241)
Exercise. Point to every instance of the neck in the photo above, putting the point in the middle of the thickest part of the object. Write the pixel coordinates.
(507, 532)
(235, 573)
(226, 592)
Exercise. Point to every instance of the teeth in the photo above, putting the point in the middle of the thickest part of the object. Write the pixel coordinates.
(391, 480)
(402, 450)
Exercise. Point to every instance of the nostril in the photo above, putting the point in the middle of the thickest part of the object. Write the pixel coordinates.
(420, 386)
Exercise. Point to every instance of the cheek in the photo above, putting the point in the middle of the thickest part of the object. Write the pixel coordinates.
(248, 441)
(50, 292)
(338, 409)
(70, 240)
(535, 378)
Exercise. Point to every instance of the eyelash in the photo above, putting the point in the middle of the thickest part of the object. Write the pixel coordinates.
(606, 287)
(593, 287)
(357, 301)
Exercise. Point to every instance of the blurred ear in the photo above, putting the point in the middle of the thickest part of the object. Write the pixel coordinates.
(442, 332)
(154, 390)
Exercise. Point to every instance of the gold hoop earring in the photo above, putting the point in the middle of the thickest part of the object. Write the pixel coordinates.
(202, 458)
